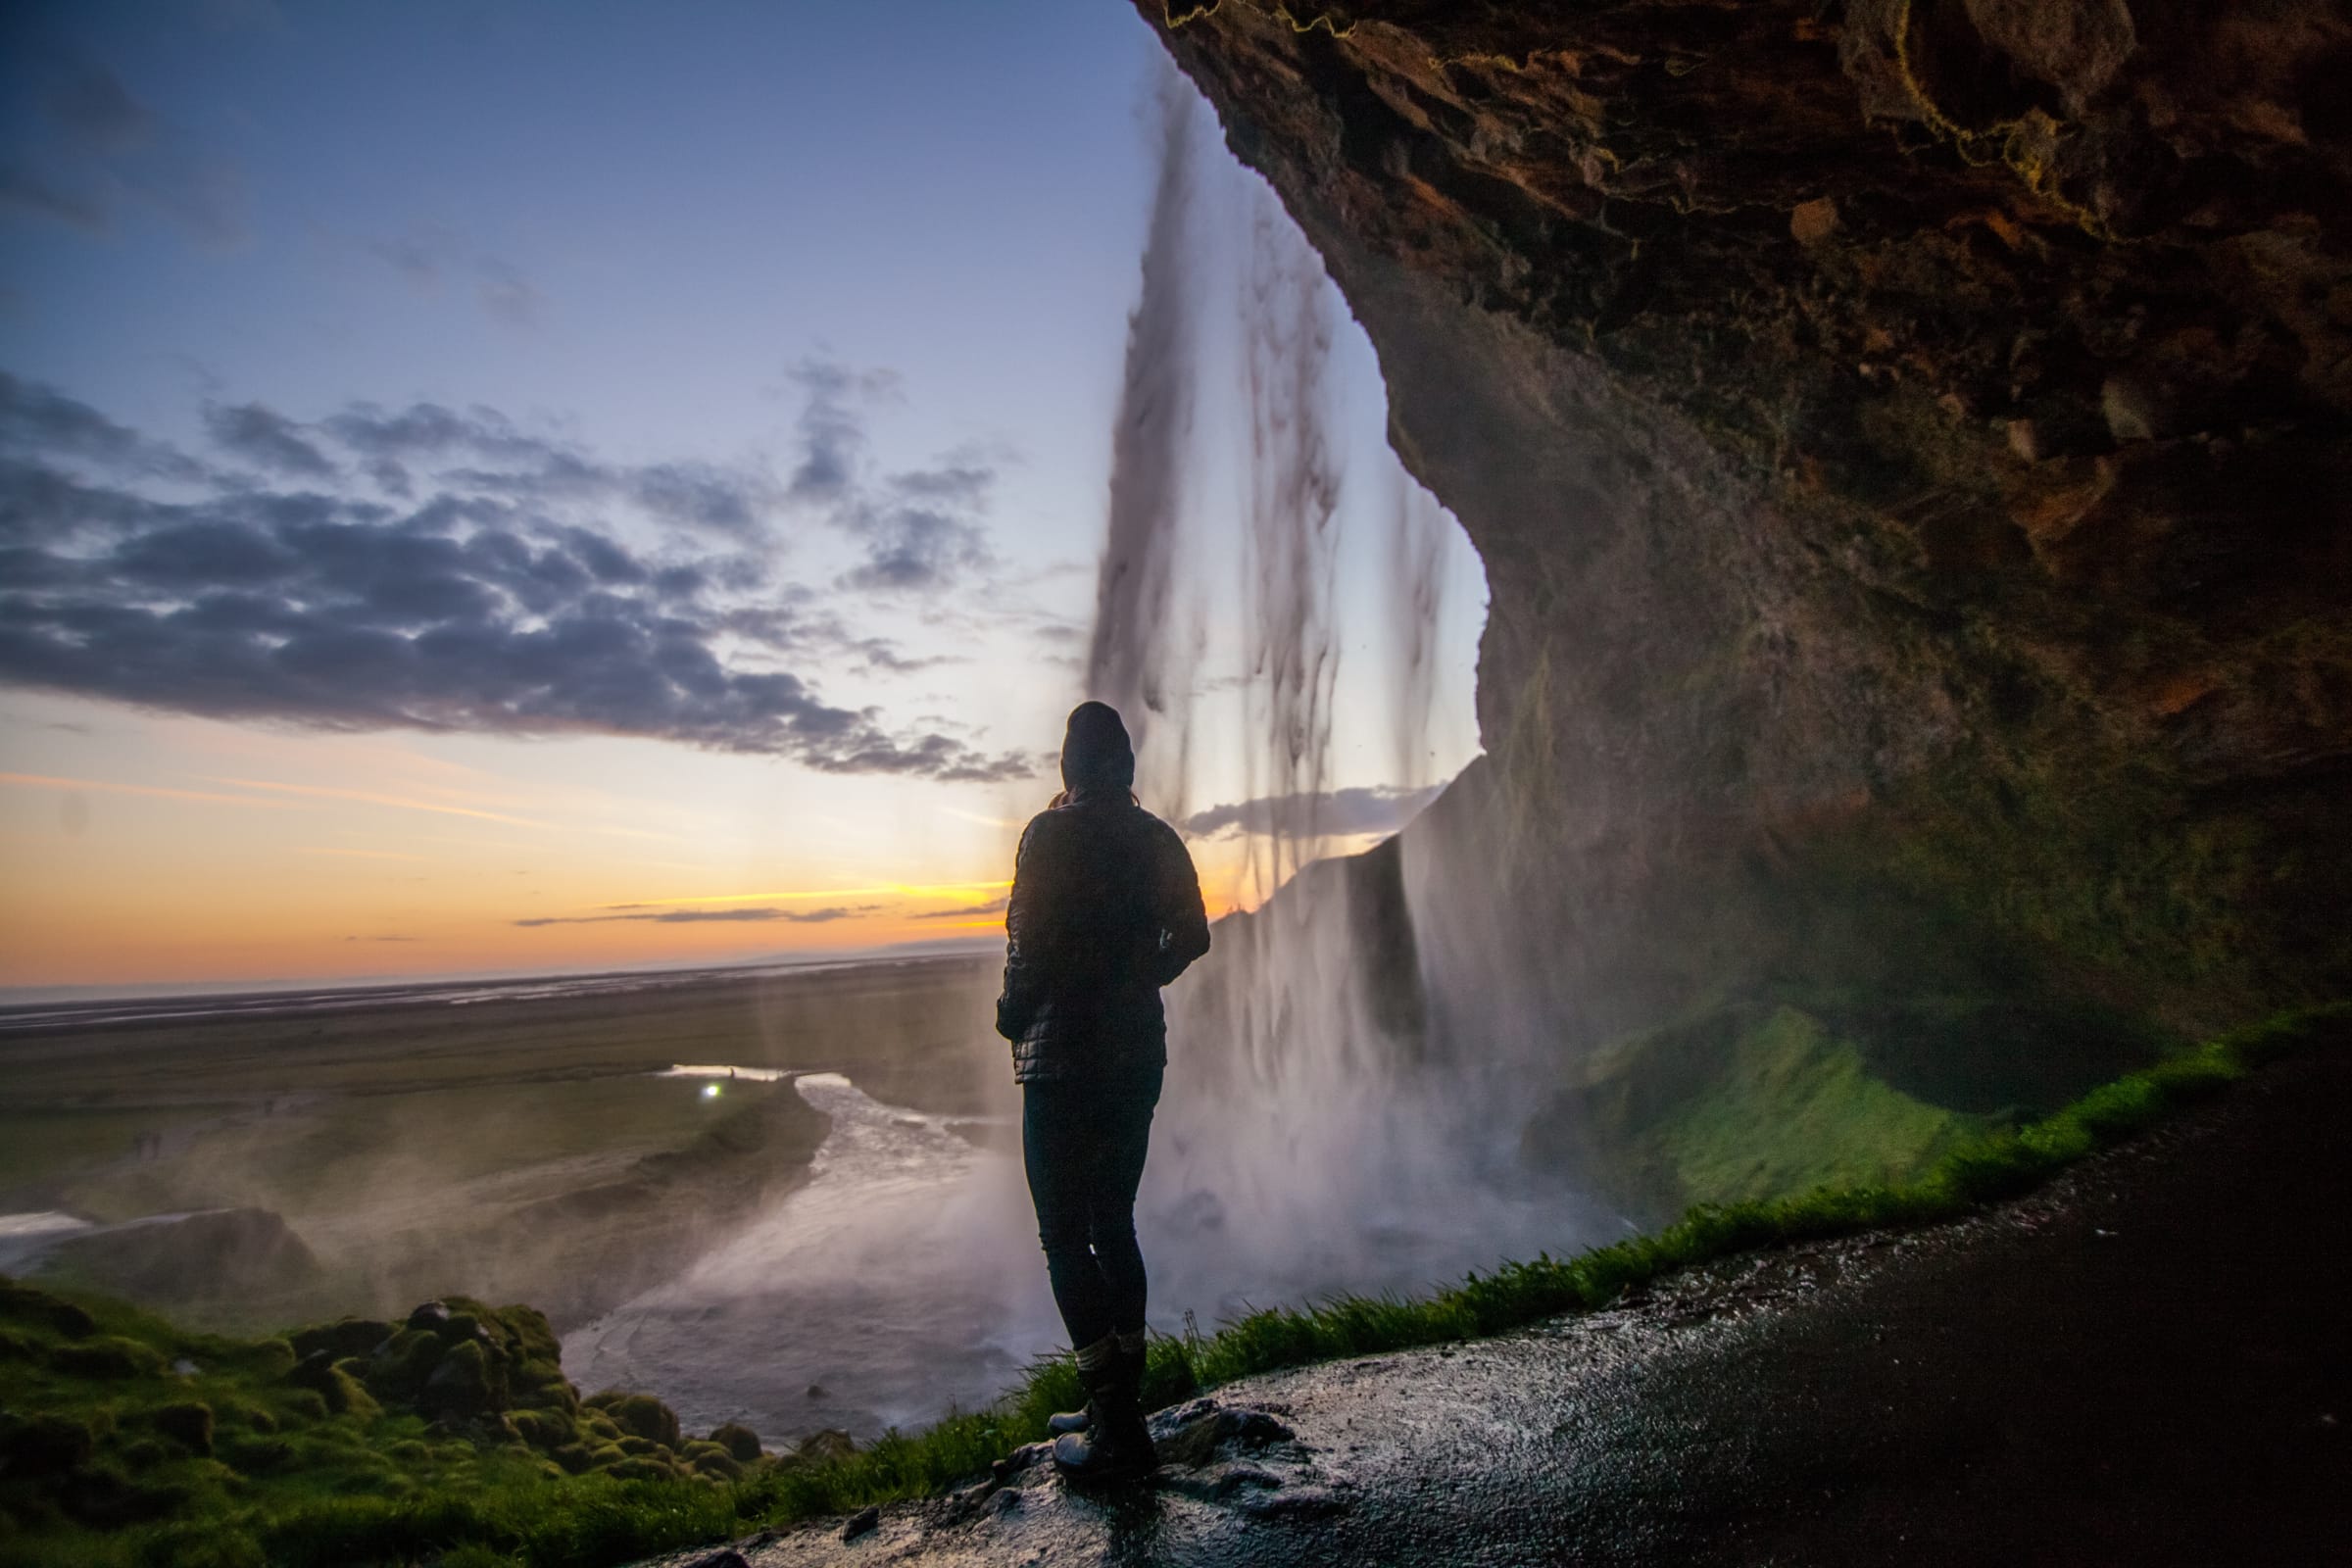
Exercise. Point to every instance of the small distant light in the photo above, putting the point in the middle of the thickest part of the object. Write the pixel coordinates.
(710, 1091)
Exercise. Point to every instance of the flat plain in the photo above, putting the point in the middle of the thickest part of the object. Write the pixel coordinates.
(512, 1141)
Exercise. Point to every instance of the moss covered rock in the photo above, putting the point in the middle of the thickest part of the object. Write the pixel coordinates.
(345, 1337)
(187, 1422)
(44, 1445)
(738, 1440)
(822, 1446)
(710, 1459)
(640, 1415)
(109, 1357)
(400, 1366)
(99, 1493)
(466, 1381)
(339, 1391)
(543, 1429)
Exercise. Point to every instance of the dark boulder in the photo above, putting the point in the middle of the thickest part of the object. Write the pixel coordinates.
(821, 1446)
(400, 1366)
(466, 1381)
(738, 1440)
(333, 1382)
(640, 1415)
(43, 1445)
(349, 1336)
(188, 1423)
(108, 1356)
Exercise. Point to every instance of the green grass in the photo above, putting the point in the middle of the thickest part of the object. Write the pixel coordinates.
(235, 1465)
(1768, 1098)
(1795, 1108)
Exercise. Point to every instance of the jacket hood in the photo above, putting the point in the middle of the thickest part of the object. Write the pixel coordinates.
(1096, 753)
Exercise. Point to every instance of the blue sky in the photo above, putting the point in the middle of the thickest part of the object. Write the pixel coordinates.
(473, 466)
(627, 219)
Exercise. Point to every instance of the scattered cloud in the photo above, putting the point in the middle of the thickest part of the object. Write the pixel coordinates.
(919, 528)
(36, 421)
(356, 854)
(506, 293)
(29, 193)
(494, 458)
(823, 917)
(269, 438)
(426, 256)
(46, 781)
(1341, 813)
(831, 426)
(97, 114)
(415, 259)
(373, 798)
(992, 906)
(100, 148)
(483, 592)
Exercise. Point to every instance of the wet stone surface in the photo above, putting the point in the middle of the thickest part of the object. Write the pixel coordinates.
(2143, 1363)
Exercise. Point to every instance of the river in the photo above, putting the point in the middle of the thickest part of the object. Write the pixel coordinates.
(902, 1279)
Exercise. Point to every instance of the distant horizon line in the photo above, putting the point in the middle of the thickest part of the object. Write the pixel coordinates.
(15, 998)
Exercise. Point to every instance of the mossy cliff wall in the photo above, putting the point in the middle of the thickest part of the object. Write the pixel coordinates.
(1907, 443)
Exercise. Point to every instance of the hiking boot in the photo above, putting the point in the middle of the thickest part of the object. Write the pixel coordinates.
(1129, 1348)
(1116, 1446)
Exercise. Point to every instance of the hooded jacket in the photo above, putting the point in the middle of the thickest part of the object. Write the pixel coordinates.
(1106, 909)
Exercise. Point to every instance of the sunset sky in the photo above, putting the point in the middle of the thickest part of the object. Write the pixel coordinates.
(500, 487)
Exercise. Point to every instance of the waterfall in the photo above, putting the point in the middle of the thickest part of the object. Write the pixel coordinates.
(1336, 1116)
(1137, 583)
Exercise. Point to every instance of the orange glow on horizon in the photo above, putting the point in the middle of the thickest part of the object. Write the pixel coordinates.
(373, 859)
(908, 890)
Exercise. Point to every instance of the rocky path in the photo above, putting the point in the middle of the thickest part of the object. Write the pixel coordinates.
(2146, 1362)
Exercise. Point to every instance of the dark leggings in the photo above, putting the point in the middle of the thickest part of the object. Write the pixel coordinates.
(1083, 1141)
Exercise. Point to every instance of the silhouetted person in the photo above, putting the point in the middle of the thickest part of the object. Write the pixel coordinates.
(1106, 909)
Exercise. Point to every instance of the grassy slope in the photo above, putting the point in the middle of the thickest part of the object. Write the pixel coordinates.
(1795, 1108)
(289, 1480)
(1769, 1098)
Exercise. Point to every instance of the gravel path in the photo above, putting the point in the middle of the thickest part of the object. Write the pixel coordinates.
(2145, 1362)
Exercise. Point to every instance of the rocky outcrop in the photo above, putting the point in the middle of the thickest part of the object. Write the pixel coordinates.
(1907, 440)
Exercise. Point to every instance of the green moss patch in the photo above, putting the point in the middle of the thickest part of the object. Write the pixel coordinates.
(1795, 1107)
(1764, 1098)
(146, 1444)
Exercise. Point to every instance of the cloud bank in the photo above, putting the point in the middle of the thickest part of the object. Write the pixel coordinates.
(428, 569)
